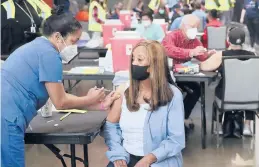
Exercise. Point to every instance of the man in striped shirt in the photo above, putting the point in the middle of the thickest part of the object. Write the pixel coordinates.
(182, 45)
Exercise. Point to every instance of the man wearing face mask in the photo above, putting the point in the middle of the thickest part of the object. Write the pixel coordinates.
(31, 75)
(148, 30)
(162, 12)
(182, 45)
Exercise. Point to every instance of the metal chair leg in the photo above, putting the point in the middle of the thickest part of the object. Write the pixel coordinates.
(212, 120)
(217, 127)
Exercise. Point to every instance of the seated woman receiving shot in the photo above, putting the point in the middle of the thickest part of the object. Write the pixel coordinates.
(146, 126)
(236, 38)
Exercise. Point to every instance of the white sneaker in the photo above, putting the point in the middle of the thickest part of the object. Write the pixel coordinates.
(247, 130)
(220, 129)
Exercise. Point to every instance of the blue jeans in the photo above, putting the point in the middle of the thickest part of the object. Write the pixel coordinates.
(12, 144)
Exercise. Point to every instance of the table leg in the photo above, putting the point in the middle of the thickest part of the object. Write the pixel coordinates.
(86, 155)
(73, 155)
(203, 116)
(69, 85)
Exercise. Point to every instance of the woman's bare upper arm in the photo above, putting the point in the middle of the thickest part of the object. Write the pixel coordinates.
(212, 63)
(115, 110)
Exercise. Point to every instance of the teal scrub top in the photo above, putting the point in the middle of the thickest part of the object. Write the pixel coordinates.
(153, 32)
(23, 77)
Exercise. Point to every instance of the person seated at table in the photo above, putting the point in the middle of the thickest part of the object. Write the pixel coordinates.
(116, 13)
(213, 21)
(236, 39)
(182, 45)
(148, 30)
(139, 8)
(200, 13)
(177, 22)
(146, 126)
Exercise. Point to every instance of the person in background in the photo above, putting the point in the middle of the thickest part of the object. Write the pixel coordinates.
(238, 10)
(73, 8)
(154, 5)
(16, 24)
(162, 12)
(97, 16)
(224, 6)
(171, 3)
(186, 6)
(177, 12)
(117, 8)
(146, 127)
(203, 6)
(139, 8)
(200, 13)
(213, 21)
(148, 30)
(192, 5)
(182, 45)
(236, 39)
(83, 14)
(250, 16)
(177, 22)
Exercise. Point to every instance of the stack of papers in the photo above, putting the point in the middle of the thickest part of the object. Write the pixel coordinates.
(86, 70)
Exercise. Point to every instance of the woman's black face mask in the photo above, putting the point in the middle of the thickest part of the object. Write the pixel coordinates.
(139, 72)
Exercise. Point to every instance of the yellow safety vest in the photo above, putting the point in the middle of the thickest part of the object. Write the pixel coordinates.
(93, 25)
(104, 4)
(154, 4)
(10, 9)
(45, 10)
(224, 5)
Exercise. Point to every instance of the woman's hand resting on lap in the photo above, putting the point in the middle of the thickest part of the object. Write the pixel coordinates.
(146, 161)
(120, 163)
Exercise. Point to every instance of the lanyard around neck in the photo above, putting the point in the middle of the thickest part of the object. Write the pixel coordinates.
(28, 14)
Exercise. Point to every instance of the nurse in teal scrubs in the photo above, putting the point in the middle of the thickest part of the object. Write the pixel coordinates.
(148, 30)
(31, 75)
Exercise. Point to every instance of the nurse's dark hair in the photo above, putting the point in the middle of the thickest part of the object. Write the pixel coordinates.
(61, 22)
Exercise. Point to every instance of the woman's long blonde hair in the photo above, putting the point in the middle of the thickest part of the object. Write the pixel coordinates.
(160, 77)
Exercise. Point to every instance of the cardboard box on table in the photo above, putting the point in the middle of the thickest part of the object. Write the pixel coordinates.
(125, 17)
(122, 45)
(109, 29)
